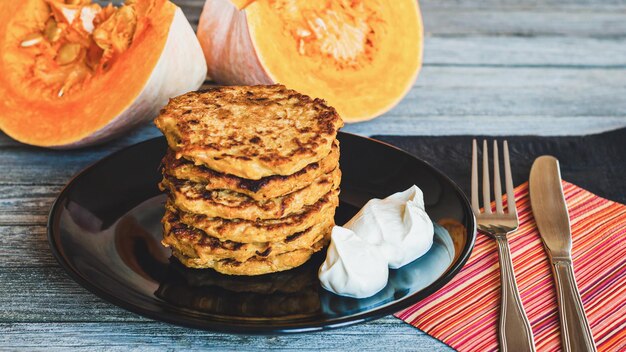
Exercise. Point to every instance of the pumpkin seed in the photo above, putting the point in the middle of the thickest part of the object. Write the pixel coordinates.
(52, 31)
(68, 53)
(31, 39)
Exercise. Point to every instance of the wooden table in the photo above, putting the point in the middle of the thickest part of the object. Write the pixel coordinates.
(550, 67)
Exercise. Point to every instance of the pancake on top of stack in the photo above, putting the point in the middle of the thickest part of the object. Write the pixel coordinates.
(252, 177)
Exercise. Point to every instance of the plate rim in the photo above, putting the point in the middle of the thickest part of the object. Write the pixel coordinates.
(225, 327)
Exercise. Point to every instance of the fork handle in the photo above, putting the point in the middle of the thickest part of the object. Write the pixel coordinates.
(515, 333)
(575, 331)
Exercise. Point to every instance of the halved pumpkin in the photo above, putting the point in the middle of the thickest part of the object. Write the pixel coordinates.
(73, 73)
(362, 56)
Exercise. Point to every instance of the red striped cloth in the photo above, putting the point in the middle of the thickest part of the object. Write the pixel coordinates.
(464, 313)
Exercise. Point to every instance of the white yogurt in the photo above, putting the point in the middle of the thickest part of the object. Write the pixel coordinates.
(390, 232)
(398, 225)
(353, 267)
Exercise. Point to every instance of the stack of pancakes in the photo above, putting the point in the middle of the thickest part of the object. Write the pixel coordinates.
(252, 177)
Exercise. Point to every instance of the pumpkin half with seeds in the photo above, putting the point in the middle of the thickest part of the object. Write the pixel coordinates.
(361, 56)
(74, 73)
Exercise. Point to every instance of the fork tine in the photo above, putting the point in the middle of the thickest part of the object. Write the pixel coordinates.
(510, 194)
(475, 205)
(497, 186)
(486, 186)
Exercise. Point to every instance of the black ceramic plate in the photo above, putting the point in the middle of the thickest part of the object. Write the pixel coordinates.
(105, 231)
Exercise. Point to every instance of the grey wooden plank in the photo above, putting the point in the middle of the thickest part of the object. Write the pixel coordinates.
(518, 22)
(33, 165)
(26, 204)
(544, 52)
(25, 165)
(24, 210)
(507, 100)
(385, 334)
(507, 92)
(486, 125)
(537, 5)
(12, 218)
(27, 197)
(47, 294)
(24, 247)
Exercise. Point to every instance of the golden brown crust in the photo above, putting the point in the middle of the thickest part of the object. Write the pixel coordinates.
(250, 131)
(256, 265)
(270, 230)
(195, 243)
(193, 198)
(264, 188)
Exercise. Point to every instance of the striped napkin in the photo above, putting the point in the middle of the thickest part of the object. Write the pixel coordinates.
(464, 313)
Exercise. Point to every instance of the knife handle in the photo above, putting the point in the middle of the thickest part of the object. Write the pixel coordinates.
(515, 333)
(575, 331)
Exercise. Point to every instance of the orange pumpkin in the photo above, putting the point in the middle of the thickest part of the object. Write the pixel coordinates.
(73, 73)
(362, 56)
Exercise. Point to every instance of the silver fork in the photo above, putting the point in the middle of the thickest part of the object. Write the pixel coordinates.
(515, 333)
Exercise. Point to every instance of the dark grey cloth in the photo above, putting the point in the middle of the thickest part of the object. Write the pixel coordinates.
(595, 162)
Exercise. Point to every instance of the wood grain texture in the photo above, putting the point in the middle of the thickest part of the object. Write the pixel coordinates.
(385, 334)
(25, 246)
(550, 52)
(47, 294)
(25, 204)
(494, 67)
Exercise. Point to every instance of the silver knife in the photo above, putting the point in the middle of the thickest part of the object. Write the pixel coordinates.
(550, 212)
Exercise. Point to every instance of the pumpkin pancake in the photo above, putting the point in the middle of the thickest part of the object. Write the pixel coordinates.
(269, 230)
(194, 243)
(255, 265)
(264, 188)
(191, 197)
(250, 131)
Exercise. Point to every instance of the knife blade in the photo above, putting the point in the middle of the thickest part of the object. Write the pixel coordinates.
(551, 215)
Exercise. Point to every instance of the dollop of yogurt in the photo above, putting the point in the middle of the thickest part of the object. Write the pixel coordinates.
(353, 267)
(398, 225)
(385, 233)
